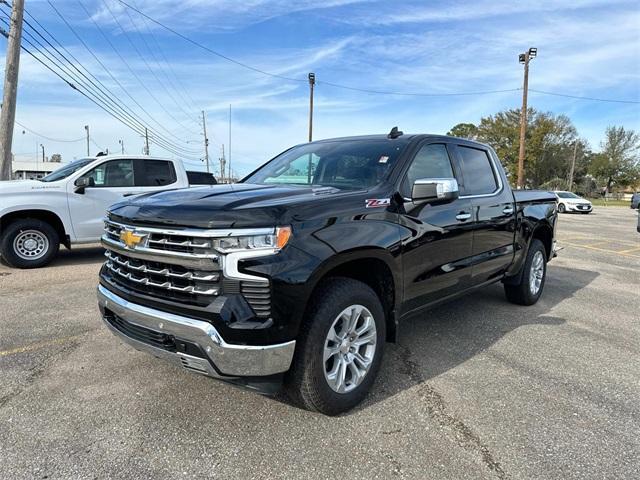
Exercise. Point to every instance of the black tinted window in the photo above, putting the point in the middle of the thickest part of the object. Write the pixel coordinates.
(116, 173)
(431, 161)
(156, 173)
(477, 171)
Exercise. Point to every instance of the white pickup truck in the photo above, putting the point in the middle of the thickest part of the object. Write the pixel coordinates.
(67, 206)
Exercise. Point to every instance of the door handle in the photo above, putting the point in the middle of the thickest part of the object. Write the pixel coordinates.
(508, 210)
(463, 216)
(128, 194)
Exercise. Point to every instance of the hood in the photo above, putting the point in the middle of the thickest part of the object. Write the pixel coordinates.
(226, 206)
(575, 201)
(22, 186)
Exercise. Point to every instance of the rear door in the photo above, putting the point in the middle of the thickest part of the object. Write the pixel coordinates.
(493, 211)
(436, 255)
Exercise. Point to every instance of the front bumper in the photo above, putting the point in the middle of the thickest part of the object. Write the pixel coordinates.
(193, 344)
(582, 207)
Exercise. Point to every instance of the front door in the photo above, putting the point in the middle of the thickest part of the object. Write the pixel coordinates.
(436, 253)
(115, 180)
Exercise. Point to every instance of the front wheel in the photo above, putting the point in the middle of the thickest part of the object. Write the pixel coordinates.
(340, 347)
(529, 289)
(29, 243)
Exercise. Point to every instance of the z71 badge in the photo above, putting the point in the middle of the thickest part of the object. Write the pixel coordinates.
(377, 202)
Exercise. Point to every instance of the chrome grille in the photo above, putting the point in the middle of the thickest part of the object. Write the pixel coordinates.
(158, 240)
(160, 279)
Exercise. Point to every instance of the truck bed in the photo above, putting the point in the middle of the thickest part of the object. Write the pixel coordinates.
(534, 196)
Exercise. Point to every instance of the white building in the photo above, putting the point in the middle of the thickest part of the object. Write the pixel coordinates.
(30, 168)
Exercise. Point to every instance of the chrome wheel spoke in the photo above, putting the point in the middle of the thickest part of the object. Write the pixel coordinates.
(367, 338)
(349, 348)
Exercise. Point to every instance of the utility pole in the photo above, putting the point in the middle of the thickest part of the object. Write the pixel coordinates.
(229, 149)
(312, 82)
(573, 164)
(222, 163)
(12, 65)
(43, 158)
(86, 127)
(206, 142)
(121, 142)
(524, 58)
(146, 141)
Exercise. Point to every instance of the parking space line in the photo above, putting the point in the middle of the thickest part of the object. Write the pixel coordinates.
(38, 345)
(631, 250)
(623, 253)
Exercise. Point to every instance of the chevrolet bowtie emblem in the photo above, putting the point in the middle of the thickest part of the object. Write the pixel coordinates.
(130, 239)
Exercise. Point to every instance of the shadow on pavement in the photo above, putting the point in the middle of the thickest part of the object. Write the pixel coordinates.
(439, 339)
(79, 255)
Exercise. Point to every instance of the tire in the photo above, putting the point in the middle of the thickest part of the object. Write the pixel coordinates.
(29, 243)
(561, 208)
(523, 293)
(310, 382)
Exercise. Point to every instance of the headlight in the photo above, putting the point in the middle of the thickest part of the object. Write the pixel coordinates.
(273, 241)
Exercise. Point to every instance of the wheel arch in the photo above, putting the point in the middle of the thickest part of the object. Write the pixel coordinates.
(374, 267)
(39, 214)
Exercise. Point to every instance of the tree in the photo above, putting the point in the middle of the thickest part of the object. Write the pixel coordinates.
(618, 162)
(56, 157)
(464, 130)
(549, 144)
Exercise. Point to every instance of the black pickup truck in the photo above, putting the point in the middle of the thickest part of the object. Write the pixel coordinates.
(300, 273)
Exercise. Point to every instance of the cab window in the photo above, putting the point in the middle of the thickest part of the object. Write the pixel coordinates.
(155, 173)
(431, 161)
(114, 173)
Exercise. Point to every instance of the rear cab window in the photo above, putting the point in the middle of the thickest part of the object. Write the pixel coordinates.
(478, 172)
(155, 173)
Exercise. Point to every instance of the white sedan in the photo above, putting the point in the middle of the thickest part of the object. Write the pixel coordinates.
(570, 202)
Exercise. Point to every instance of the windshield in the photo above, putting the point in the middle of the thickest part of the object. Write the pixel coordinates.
(567, 195)
(347, 164)
(64, 172)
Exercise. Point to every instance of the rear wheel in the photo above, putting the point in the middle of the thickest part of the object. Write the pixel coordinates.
(29, 243)
(339, 351)
(529, 289)
(561, 208)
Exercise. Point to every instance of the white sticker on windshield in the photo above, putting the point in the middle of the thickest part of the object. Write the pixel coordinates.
(383, 159)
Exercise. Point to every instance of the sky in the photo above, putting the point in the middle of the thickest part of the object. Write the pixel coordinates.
(585, 48)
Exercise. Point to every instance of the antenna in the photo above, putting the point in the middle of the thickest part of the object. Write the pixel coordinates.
(394, 133)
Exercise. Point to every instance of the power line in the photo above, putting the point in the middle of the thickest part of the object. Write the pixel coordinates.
(158, 65)
(204, 47)
(144, 60)
(347, 87)
(122, 59)
(147, 65)
(104, 68)
(584, 98)
(97, 98)
(49, 138)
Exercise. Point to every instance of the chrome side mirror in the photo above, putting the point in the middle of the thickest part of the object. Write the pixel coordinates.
(435, 190)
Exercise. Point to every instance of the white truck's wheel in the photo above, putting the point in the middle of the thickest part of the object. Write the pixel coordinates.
(29, 243)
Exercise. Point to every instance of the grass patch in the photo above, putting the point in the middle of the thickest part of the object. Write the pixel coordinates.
(610, 203)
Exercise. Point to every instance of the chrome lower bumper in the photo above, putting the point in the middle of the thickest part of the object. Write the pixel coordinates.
(229, 360)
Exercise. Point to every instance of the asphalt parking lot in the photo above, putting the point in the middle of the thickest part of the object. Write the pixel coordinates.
(478, 388)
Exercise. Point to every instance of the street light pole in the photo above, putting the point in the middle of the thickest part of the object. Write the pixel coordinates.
(312, 82)
(86, 127)
(524, 59)
(121, 142)
(42, 146)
